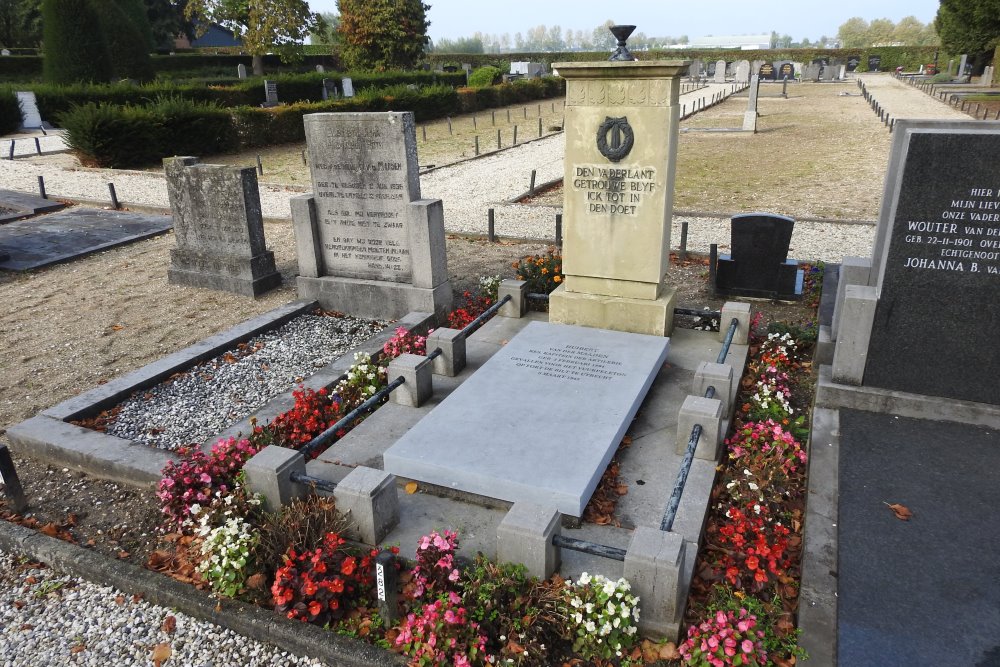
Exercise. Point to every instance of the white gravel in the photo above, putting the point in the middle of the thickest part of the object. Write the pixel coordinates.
(51, 619)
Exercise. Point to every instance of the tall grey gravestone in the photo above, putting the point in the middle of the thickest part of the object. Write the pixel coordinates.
(929, 308)
(270, 93)
(743, 71)
(367, 244)
(219, 228)
(750, 115)
(720, 71)
(241, 71)
(347, 86)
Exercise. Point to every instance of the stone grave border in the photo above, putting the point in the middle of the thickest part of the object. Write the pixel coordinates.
(49, 435)
(27, 205)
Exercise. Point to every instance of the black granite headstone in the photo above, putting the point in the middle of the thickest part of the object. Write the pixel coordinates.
(937, 320)
(853, 62)
(786, 71)
(710, 68)
(758, 265)
(766, 72)
(874, 63)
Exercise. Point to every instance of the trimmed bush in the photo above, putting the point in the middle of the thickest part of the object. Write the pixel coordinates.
(74, 44)
(125, 42)
(484, 76)
(10, 111)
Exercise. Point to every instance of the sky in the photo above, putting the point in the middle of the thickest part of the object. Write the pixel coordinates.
(695, 18)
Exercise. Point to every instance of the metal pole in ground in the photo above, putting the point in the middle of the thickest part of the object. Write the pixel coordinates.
(539, 127)
(713, 260)
(493, 117)
(684, 240)
(491, 226)
(449, 125)
(514, 143)
(508, 115)
(477, 144)
(474, 123)
(498, 138)
(423, 130)
(10, 156)
(531, 188)
(559, 229)
(41, 187)
(114, 196)
(260, 166)
(38, 146)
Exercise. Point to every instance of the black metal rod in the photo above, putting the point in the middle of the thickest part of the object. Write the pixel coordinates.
(498, 138)
(724, 352)
(38, 146)
(477, 144)
(539, 126)
(536, 296)
(114, 196)
(449, 125)
(331, 432)
(559, 229)
(322, 484)
(592, 548)
(10, 156)
(713, 262)
(682, 474)
(11, 483)
(514, 142)
(471, 327)
(435, 354)
(491, 230)
(423, 131)
(684, 240)
(41, 188)
(260, 167)
(531, 186)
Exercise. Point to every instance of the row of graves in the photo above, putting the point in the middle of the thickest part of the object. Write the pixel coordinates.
(507, 429)
(820, 69)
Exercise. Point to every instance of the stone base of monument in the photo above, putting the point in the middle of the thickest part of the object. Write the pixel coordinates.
(654, 317)
(375, 298)
(249, 276)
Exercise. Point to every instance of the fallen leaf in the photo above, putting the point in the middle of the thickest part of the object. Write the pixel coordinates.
(120, 600)
(31, 580)
(137, 597)
(117, 327)
(902, 512)
(79, 648)
(169, 625)
(622, 489)
(123, 554)
(27, 626)
(50, 529)
(18, 604)
(161, 653)
(669, 652)
(411, 487)
(257, 582)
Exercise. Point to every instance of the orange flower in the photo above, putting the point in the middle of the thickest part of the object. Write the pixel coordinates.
(557, 279)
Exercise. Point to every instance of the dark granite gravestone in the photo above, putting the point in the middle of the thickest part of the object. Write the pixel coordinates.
(786, 71)
(270, 94)
(767, 72)
(937, 263)
(874, 63)
(330, 91)
(853, 62)
(759, 264)
(710, 68)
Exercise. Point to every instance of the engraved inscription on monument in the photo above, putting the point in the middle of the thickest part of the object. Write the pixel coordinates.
(612, 190)
(570, 362)
(362, 189)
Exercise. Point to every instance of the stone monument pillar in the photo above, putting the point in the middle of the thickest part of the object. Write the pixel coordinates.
(621, 151)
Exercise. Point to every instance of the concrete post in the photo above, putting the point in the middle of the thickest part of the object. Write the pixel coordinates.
(525, 536)
(518, 304)
(708, 413)
(269, 473)
(369, 496)
(851, 353)
(715, 375)
(418, 385)
(740, 311)
(451, 342)
(853, 271)
(654, 566)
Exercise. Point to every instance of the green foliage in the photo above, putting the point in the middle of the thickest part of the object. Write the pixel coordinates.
(135, 10)
(278, 26)
(20, 23)
(969, 26)
(779, 640)
(484, 76)
(192, 128)
(521, 90)
(127, 47)
(460, 45)
(75, 49)
(10, 111)
(382, 34)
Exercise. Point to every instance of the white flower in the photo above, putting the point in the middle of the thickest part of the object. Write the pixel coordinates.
(590, 627)
(584, 578)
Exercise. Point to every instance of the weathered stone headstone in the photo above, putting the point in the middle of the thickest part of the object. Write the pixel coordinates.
(720, 71)
(330, 89)
(320, 69)
(759, 264)
(4, 52)
(621, 147)
(962, 64)
(548, 375)
(367, 243)
(241, 71)
(767, 72)
(829, 73)
(750, 115)
(743, 71)
(347, 86)
(874, 63)
(935, 270)
(853, 62)
(786, 71)
(695, 69)
(755, 66)
(219, 228)
(811, 72)
(31, 117)
(270, 93)
(527, 69)
(841, 72)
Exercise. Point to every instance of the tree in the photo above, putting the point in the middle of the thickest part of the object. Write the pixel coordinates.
(969, 26)
(853, 33)
(73, 43)
(603, 39)
(20, 23)
(383, 34)
(880, 32)
(127, 46)
(327, 32)
(460, 45)
(166, 21)
(264, 26)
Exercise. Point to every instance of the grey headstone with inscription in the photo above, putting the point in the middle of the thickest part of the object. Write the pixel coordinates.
(569, 394)
(720, 71)
(367, 243)
(695, 69)
(750, 115)
(936, 264)
(219, 228)
(270, 93)
(320, 69)
(241, 71)
(810, 72)
(347, 85)
(743, 71)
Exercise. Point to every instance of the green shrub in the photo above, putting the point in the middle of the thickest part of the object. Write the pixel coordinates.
(125, 42)
(10, 111)
(105, 135)
(484, 76)
(192, 128)
(74, 46)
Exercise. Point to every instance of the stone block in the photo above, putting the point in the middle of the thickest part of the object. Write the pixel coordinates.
(378, 299)
(720, 376)
(304, 225)
(741, 311)
(451, 342)
(708, 413)
(653, 317)
(427, 243)
(369, 497)
(417, 373)
(518, 304)
(853, 271)
(857, 318)
(525, 536)
(269, 473)
(654, 566)
(824, 347)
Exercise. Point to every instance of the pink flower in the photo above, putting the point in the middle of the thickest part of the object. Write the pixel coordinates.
(747, 646)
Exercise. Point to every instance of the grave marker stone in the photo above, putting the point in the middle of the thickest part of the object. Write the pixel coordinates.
(720, 71)
(962, 64)
(936, 264)
(759, 265)
(853, 62)
(4, 52)
(766, 72)
(219, 228)
(828, 73)
(241, 71)
(841, 72)
(270, 93)
(786, 71)
(347, 85)
(743, 71)
(31, 117)
(874, 63)
(750, 115)
(618, 198)
(811, 72)
(320, 69)
(367, 243)
(695, 69)
(330, 91)
(548, 375)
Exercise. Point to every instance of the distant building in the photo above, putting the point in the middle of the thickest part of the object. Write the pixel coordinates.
(742, 42)
(215, 36)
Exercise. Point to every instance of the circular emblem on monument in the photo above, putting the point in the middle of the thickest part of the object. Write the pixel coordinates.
(615, 138)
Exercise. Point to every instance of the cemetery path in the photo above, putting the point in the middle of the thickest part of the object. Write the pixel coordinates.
(902, 100)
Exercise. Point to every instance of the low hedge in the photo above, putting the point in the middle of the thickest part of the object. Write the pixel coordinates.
(516, 92)
(10, 112)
